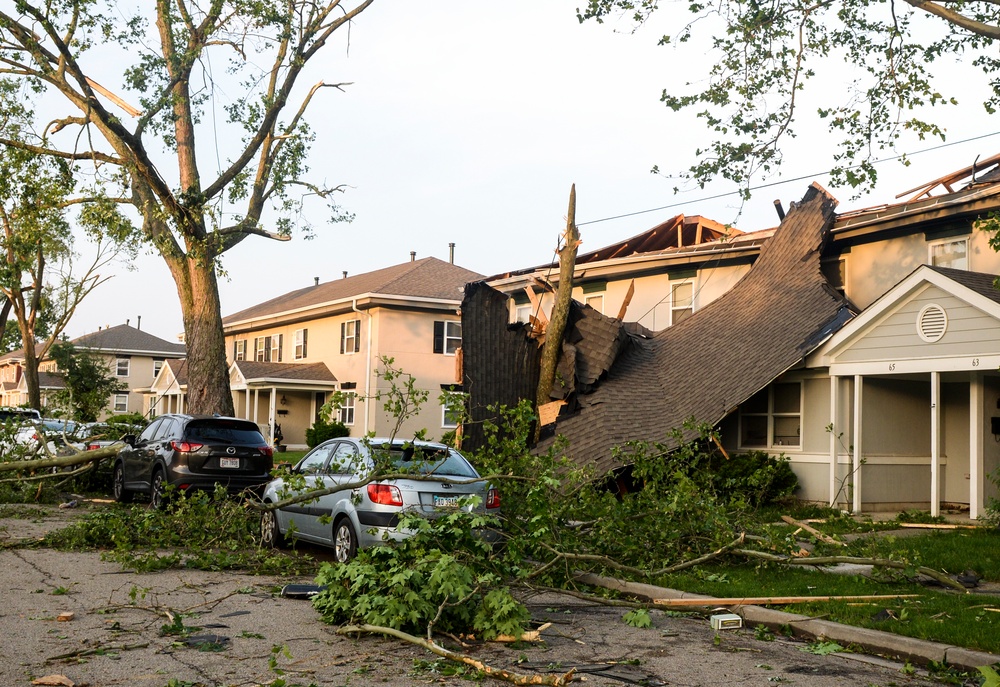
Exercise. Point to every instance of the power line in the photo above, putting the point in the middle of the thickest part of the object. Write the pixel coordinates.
(778, 183)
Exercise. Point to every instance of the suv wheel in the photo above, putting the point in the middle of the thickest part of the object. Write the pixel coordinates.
(121, 494)
(270, 533)
(158, 490)
(345, 542)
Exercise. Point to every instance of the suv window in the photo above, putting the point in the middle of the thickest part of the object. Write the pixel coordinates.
(147, 434)
(216, 430)
(168, 428)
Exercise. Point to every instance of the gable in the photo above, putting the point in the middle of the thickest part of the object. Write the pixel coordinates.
(929, 321)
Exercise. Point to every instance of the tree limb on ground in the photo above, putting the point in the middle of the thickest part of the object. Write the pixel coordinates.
(498, 673)
(878, 562)
(77, 458)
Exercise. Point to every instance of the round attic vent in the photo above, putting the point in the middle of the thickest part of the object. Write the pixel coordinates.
(932, 323)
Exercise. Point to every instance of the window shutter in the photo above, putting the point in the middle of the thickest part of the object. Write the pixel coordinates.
(281, 345)
(305, 338)
(439, 337)
(343, 336)
(357, 335)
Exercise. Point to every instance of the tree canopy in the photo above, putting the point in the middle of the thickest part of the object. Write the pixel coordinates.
(767, 60)
(188, 68)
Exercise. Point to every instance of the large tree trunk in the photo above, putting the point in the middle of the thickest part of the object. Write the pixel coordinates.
(198, 291)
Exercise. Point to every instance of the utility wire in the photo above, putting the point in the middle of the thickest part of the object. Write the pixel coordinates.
(778, 183)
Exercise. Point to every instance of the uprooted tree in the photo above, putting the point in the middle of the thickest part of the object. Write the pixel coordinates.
(161, 158)
(875, 68)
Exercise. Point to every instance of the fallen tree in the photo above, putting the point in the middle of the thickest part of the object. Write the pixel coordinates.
(75, 458)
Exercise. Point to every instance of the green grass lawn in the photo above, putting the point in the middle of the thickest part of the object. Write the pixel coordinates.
(969, 620)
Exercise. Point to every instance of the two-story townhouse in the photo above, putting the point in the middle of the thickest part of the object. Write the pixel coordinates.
(288, 354)
(864, 348)
(133, 356)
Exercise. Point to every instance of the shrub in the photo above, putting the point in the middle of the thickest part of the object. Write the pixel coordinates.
(322, 430)
(754, 478)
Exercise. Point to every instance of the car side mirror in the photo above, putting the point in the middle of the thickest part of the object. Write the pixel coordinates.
(129, 439)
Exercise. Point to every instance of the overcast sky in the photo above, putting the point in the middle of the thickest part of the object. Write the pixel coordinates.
(467, 122)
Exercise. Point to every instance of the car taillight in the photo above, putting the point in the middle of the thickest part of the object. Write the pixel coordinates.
(493, 498)
(185, 446)
(385, 494)
(267, 450)
(93, 447)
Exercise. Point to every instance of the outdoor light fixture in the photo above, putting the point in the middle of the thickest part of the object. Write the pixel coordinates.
(283, 400)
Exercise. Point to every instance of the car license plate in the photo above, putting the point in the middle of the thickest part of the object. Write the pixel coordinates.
(229, 462)
(446, 501)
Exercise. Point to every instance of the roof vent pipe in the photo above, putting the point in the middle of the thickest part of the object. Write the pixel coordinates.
(138, 321)
(413, 256)
(451, 253)
(315, 281)
(780, 210)
(345, 274)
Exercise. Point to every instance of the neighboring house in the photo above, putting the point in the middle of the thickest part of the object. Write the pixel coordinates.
(133, 356)
(288, 354)
(896, 407)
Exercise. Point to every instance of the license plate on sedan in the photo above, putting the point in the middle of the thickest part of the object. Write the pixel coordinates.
(446, 501)
(229, 462)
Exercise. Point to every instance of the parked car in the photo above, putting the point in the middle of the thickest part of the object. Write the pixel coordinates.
(367, 516)
(8, 414)
(191, 452)
(61, 436)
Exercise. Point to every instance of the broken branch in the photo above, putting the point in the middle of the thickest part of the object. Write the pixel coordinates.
(812, 530)
(498, 673)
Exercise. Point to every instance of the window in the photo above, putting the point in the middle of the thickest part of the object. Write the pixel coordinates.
(240, 349)
(314, 463)
(157, 366)
(596, 302)
(350, 336)
(301, 337)
(452, 409)
(772, 417)
(681, 301)
(345, 413)
(952, 253)
(523, 313)
(121, 403)
(447, 337)
(151, 413)
(121, 367)
(262, 349)
(276, 346)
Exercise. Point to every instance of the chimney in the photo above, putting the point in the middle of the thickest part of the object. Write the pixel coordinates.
(138, 321)
(345, 274)
(127, 320)
(780, 210)
(451, 253)
(413, 256)
(315, 281)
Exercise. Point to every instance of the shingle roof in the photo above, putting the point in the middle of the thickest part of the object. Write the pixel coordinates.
(983, 284)
(427, 278)
(126, 339)
(51, 380)
(313, 372)
(708, 364)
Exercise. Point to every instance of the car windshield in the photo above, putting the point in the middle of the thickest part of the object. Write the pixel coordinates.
(59, 426)
(430, 460)
(224, 432)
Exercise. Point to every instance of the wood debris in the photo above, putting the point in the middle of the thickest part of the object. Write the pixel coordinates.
(812, 530)
(773, 600)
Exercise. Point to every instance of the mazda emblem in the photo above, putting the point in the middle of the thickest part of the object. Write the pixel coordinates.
(231, 450)
(446, 486)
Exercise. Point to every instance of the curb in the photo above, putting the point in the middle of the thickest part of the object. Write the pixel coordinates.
(874, 641)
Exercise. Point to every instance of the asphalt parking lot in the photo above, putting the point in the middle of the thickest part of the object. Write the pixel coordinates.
(187, 628)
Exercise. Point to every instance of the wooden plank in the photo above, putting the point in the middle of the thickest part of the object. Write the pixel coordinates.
(812, 530)
(773, 600)
(628, 299)
(937, 526)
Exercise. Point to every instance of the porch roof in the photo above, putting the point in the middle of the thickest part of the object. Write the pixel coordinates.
(253, 373)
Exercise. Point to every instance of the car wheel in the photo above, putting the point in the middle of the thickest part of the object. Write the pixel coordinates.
(158, 491)
(270, 533)
(345, 542)
(121, 494)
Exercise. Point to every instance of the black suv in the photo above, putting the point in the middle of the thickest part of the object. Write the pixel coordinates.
(192, 452)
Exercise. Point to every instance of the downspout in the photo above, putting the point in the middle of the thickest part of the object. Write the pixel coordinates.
(368, 362)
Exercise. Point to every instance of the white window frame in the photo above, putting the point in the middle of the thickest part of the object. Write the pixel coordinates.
(261, 348)
(345, 413)
(523, 313)
(449, 336)
(301, 338)
(349, 337)
(276, 344)
(945, 242)
(120, 403)
(771, 416)
(118, 367)
(240, 352)
(151, 413)
(674, 285)
(157, 366)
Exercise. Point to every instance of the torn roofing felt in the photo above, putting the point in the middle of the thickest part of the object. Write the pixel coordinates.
(705, 366)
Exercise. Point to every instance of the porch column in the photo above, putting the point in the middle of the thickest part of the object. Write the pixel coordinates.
(835, 425)
(976, 396)
(271, 413)
(935, 443)
(246, 402)
(256, 404)
(856, 459)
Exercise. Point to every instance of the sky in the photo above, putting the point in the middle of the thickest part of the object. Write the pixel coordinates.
(468, 122)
